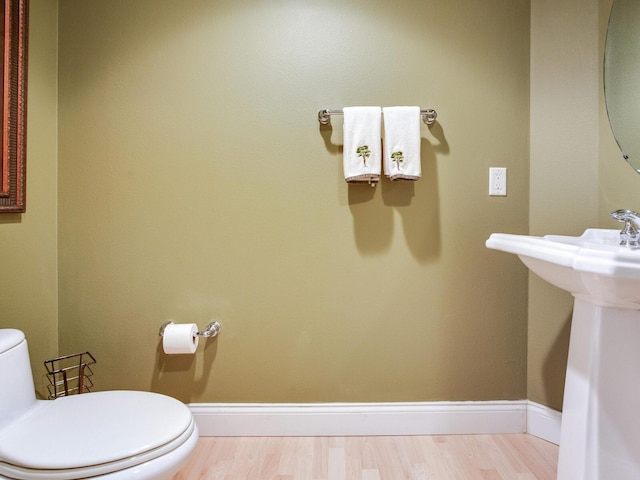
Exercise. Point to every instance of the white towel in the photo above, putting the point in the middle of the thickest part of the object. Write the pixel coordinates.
(402, 143)
(362, 144)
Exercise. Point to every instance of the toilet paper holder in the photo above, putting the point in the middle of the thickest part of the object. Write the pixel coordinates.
(210, 331)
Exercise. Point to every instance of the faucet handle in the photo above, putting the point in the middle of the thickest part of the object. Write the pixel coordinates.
(630, 234)
(623, 214)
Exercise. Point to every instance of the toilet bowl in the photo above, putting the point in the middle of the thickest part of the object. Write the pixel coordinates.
(111, 435)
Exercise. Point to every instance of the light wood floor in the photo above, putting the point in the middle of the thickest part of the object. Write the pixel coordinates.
(439, 457)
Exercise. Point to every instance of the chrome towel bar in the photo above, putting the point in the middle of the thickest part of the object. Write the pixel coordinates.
(324, 116)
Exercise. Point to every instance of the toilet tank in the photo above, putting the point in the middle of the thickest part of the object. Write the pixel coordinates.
(16, 380)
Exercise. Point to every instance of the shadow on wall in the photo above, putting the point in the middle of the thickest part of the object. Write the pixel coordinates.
(421, 222)
(11, 218)
(179, 375)
(555, 366)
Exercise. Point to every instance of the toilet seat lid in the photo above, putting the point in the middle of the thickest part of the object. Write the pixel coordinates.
(95, 428)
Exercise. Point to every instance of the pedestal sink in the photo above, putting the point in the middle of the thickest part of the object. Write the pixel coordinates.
(600, 436)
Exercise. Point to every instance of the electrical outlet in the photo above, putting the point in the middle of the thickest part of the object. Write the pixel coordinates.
(498, 181)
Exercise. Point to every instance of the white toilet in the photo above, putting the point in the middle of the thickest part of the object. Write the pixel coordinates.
(114, 435)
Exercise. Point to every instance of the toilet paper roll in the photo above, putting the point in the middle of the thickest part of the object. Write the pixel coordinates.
(180, 338)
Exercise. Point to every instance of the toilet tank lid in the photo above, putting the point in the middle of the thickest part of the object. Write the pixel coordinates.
(9, 338)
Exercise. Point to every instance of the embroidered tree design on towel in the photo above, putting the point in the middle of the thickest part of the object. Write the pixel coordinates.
(397, 157)
(364, 152)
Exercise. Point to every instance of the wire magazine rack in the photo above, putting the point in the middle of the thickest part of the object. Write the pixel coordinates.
(70, 374)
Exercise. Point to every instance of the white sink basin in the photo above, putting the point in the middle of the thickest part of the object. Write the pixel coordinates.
(600, 430)
(592, 266)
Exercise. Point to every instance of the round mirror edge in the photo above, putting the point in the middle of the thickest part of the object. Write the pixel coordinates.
(614, 77)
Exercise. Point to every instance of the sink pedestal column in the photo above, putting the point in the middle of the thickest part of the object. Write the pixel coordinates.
(600, 437)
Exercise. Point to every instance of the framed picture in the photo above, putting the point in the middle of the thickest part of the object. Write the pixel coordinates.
(14, 22)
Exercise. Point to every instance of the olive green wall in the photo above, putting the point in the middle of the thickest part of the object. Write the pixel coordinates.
(565, 84)
(195, 183)
(578, 175)
(28, 241)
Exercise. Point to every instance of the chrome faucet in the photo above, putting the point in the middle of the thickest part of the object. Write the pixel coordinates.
(630, 234)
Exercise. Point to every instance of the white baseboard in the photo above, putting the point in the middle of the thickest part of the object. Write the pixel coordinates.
(543, 422)
(345, 419)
